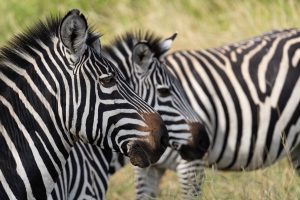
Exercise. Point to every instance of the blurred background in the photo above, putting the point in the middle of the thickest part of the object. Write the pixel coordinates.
(200, 24)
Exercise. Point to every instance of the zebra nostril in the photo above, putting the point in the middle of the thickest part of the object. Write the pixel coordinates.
(176, 146)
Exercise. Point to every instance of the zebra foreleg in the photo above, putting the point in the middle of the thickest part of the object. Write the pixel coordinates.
(147, 182)
(191, 176)
(295, 157)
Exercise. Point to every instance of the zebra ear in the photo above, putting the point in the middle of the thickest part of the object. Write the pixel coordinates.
(73, 32)
(165, 45)
(142, 56)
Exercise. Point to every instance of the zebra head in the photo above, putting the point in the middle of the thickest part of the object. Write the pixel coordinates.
(106, 111)
(138, 56)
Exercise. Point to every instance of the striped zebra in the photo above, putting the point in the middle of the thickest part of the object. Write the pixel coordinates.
(247, 95)
(86, 173)
(137, 55)
(155, 85)
(56, 89)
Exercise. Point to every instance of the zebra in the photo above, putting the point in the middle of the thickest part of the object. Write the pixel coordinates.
(58, 89)
(246, 94)
(78, 180)
(86, 173)
(137, 55)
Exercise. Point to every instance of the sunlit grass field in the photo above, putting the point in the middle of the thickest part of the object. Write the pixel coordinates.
(200, 24)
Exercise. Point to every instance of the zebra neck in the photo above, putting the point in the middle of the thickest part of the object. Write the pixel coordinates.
(33, 139)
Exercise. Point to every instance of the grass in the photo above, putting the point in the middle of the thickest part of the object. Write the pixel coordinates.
(200, 24)
(278, 182)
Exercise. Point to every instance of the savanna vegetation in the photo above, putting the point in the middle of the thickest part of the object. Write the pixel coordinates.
(200, 24)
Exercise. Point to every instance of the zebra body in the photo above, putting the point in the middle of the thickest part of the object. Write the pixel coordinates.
(85, 175)
(57, 89)
(247, 96)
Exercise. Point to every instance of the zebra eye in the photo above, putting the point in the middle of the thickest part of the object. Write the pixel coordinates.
(107, 80)
(164, 91)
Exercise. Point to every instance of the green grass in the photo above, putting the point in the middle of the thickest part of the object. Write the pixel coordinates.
(200, 24)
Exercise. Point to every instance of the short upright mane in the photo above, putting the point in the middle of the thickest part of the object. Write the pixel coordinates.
(42, 31)
(130, 38)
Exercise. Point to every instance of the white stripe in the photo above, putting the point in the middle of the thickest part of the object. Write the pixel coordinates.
(112, 113)
(37, 117)
(213, 155)
(32, 61)
(245, 65)
(264, 116)
(87, 106)
(47, 180)
(245, 112)
(263, 65)
(294, 131)
(19, 168)
(122, 58)
(296, 58)
(282, 72)
(65, 82)
(196, 86)
(189, 93)
(284, 119)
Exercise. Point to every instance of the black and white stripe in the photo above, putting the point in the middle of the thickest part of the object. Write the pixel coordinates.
(157, 86)
(55, 90)
(152, 81)
(247, 95)
(85, 175)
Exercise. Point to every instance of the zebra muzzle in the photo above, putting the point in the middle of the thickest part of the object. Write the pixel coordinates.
(148, 149)
(138, 152)
(198, 146)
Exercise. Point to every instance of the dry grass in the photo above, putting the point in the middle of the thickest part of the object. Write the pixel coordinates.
(200, 24)
(278, 182)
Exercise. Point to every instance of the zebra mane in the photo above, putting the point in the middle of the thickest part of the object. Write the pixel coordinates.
(42, 31)
(131, 38)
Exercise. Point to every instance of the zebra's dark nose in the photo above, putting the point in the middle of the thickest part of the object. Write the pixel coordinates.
(198, 145)
(147, 150)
